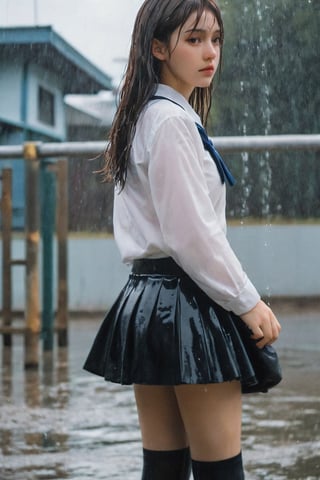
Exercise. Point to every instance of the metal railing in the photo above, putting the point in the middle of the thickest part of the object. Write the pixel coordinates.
(39, 224)
(224, 144)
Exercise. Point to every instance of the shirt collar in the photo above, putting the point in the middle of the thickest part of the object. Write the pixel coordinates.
(169, 92)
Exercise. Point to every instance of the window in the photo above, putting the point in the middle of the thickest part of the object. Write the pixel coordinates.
(46, 106)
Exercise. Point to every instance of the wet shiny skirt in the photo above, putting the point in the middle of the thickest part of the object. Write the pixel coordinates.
(164, 330)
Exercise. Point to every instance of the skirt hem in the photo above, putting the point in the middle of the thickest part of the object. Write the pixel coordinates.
(164, 330)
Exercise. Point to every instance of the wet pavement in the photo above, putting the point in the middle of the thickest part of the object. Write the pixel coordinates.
(63, 423)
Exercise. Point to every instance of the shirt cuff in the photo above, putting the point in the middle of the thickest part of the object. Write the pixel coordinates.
(246, 301)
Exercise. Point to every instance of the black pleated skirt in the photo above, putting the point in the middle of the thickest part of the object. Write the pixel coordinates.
(164, 330)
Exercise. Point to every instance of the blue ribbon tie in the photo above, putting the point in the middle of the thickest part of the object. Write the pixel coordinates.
(223, 170)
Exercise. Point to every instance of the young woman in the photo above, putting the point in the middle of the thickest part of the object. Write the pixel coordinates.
(170, 333)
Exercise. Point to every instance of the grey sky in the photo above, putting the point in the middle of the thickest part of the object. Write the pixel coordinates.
(99, 29)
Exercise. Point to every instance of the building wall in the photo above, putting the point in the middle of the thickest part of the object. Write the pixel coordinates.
(19, 118)
(39, 77)
(19, 85)
(10, 91)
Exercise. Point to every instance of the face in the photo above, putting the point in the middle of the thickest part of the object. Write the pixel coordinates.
(193, 55)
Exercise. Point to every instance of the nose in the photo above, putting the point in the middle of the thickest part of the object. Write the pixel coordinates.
(211, 50)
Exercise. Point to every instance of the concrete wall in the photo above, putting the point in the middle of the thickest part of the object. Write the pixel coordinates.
(280, 260)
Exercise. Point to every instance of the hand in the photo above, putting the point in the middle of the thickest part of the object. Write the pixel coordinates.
(263, 324)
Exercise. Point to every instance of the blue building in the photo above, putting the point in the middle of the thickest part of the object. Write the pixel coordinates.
(37, 69)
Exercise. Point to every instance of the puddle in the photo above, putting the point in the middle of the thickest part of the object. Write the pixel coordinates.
(62, 423)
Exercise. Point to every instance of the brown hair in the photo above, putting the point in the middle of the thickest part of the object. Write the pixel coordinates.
(155, 19)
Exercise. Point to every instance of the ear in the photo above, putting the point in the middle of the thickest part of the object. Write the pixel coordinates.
(159, 49)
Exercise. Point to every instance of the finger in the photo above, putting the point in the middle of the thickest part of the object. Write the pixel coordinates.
(268, 333)
(275, 332)
(261, 343)
(257, 333)
(276, 321)
(276, 328)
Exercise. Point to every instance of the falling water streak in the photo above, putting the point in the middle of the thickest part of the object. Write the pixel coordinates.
(266, 41)
(246, 188)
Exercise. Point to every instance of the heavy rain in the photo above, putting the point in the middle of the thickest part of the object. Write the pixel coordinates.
(60, 269)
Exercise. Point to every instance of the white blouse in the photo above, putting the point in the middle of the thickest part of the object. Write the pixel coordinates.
(173, 204)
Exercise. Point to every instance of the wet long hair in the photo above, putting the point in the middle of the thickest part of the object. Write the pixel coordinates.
(155, 20)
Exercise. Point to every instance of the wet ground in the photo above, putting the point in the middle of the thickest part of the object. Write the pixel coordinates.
(62, 423)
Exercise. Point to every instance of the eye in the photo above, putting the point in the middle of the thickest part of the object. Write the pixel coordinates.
(217, 40)
(194, 40)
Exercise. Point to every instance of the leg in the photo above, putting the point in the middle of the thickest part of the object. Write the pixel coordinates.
(166, 464)
(159, 417)
(165, 453)
(229, 469)
(212, 419)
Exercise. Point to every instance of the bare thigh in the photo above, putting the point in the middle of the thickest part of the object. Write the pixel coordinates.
(205, 417)
(160, 421)
(212, 418)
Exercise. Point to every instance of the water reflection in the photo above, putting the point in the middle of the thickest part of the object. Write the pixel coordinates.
(28, 426)
(62, 423)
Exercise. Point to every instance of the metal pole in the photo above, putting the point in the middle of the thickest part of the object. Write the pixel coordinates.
(62, 235)
(253, 143)
(6, 211)
(32, 256)
(48, 197)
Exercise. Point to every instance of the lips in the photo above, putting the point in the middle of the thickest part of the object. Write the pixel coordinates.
(207, 70)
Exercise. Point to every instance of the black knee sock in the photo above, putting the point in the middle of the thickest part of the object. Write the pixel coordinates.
(166, 464)
(229, 469)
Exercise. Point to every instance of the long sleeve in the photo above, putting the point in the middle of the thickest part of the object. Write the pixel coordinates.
(191, 230)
